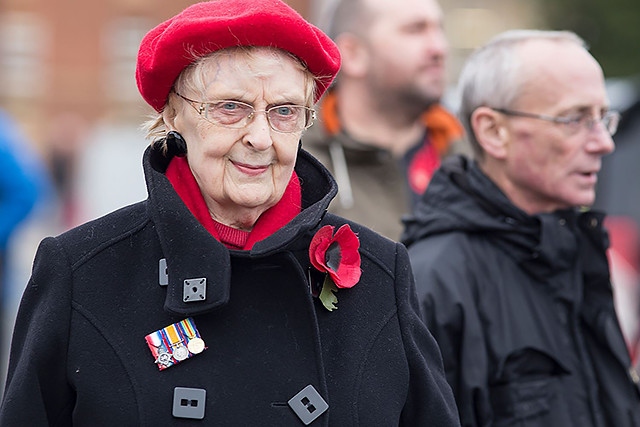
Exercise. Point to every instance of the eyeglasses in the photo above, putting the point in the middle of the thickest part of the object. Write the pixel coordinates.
(609, 120)
(286, 118)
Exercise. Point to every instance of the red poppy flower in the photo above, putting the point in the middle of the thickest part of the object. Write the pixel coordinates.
(337, 254)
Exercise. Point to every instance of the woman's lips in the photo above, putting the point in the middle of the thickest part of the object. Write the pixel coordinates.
(249, 169)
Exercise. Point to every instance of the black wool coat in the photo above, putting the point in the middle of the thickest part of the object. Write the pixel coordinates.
(79, 355)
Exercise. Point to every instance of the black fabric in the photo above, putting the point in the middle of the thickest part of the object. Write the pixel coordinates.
(79, 356)
(521, 307)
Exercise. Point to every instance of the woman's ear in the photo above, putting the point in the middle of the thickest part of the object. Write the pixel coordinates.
(169, 116)
(490, 131)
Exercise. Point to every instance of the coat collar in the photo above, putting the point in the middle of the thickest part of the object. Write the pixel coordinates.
(190, 250)
(462, 198)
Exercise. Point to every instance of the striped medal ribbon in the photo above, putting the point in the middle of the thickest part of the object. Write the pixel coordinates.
(175, 343)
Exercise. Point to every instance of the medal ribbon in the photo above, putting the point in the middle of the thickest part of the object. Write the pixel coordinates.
(172, 337)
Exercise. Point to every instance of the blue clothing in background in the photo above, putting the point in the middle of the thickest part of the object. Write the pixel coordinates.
(23, 183)
(22, 179)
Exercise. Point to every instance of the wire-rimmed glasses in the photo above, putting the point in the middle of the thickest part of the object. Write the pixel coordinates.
(609, 120)
(285, 118)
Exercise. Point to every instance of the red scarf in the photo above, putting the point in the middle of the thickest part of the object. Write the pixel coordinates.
(290, 205)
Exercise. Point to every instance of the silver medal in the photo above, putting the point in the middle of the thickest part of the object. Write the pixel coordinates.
(180, 353)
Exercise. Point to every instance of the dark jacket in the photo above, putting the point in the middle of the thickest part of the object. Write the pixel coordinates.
(79, 355)
(521, 307)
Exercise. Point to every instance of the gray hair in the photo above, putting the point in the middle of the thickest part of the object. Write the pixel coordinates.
(493, 75)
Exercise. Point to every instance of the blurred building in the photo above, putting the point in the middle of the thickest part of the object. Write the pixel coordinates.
(61, 58)
(471, 23)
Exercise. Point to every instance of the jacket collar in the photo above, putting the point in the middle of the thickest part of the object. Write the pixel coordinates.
(191, 252)
(461, 197)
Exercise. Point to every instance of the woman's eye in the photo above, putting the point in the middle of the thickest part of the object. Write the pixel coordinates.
(228, 106)
(284, 110)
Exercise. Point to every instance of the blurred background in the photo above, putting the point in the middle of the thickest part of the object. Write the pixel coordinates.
(67, 79)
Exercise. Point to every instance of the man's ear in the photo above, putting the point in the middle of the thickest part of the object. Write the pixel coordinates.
(490, 131)
(355, 57)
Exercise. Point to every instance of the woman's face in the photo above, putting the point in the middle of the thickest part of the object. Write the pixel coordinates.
(242, 172)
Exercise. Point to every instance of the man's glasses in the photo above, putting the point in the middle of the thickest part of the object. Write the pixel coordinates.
(286, 118)
(609, 120)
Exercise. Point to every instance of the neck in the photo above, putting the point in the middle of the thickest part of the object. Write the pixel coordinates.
(240, 218)
(525, 201)
(363, 119)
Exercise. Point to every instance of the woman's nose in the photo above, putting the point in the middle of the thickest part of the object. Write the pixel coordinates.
(259, 131)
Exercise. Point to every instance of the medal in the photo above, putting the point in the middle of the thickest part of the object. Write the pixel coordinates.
(175, 343)
(196, 346)
(164, 358)
(180, 353)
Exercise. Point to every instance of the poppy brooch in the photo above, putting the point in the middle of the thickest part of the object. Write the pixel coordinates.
(337, 258)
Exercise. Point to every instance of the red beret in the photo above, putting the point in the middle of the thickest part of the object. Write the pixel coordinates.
(217, 24)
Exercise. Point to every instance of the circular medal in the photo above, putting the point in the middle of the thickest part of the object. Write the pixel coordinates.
(180, 353)
(196, 345)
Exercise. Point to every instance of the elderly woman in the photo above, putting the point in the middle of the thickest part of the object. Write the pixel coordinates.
(229, 296)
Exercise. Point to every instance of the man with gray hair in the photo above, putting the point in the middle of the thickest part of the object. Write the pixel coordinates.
(510, 263)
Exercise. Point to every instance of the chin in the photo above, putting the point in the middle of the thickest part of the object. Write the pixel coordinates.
(258, 202)
(253, 204)
(583, 202)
